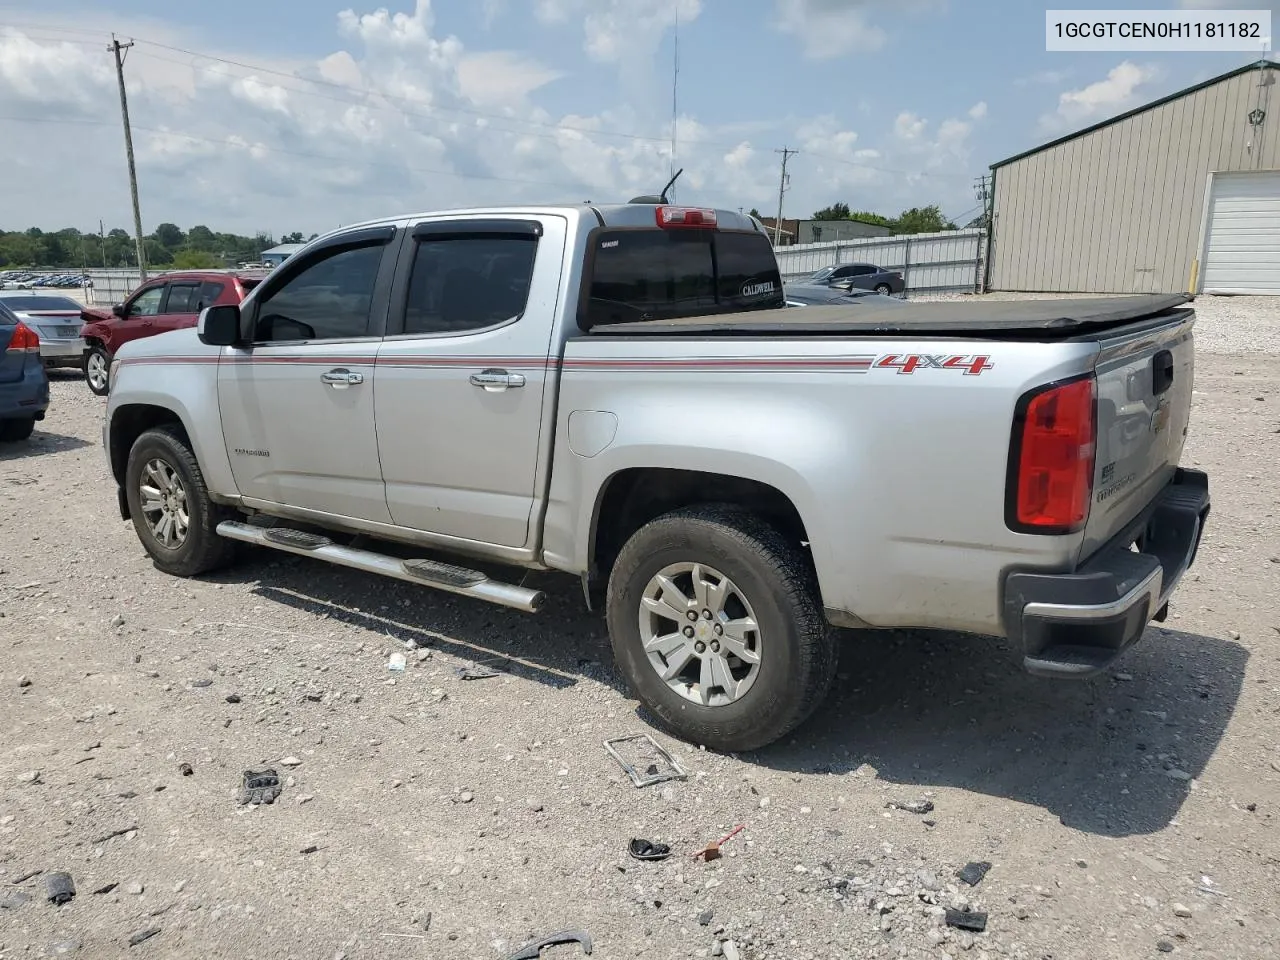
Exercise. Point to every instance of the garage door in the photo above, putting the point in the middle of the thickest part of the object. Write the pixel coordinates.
(1243, 246)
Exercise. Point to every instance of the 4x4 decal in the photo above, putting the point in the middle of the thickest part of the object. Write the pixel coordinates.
(911, 362)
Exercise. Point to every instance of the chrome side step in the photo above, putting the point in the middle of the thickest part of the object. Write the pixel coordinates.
(428, 573)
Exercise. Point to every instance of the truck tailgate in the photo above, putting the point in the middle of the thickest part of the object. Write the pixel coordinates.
(1143, 407)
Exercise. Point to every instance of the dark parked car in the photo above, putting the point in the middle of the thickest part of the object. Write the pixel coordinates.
(863, 276)
(170, 302)
(807, 294)
(24, 386)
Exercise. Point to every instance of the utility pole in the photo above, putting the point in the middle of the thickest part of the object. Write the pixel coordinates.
(102, 238)
(675, 86)
(118, 49)
(782, 189)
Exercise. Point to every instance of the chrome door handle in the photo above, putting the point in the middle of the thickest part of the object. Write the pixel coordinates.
(495, 378)
(341, 377)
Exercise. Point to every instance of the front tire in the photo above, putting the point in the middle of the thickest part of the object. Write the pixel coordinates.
(172, 512)
(11, 431)
(97, 369)
(716, 623)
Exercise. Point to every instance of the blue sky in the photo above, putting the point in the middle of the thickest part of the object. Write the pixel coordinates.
(302, 114)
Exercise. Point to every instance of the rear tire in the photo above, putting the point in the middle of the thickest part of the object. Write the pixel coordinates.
(11, 431)
(884, 289)
(169, 502)
(97, 369)
(770, 584)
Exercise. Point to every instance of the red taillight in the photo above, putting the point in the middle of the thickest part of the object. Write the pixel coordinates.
(671, 217)
(1051, 463)
(24, 338)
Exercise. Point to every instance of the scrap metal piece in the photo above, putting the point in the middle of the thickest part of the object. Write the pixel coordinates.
(652, 773)
(974, 920)
(531, 951)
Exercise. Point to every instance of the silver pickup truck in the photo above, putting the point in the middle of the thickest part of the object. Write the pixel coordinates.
(619, 393)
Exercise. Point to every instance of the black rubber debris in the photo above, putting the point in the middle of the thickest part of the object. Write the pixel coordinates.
(1164, 946)
(972, 873)
(233, 698)
(261, 785)
(143, 935)
(59, 888)
(645, 850)
(532, 951)
(474, 672)
(911, 806)
(311, 849)
(967, 920)
(106, 888)
(185, 769)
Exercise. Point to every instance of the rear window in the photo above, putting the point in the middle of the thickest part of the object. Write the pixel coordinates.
(40, 303)
(7, 319)
(661, 274)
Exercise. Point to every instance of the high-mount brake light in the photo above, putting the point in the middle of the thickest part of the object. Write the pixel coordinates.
(24, 338)
(1051, 461)
(676, 217)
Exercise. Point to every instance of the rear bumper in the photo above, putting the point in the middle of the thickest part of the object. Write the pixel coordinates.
(69, 351)
(28, 397)
(1078, 624)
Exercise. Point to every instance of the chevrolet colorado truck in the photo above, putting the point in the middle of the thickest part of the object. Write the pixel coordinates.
(618, 392)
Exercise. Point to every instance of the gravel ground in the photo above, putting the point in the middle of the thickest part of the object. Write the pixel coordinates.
(428, 816)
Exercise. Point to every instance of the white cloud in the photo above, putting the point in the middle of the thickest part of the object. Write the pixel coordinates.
(1051, 78)
(834, 28)
(979, 110)
(501, 77)
(418, 121)
(618, 30)
(1121, 90)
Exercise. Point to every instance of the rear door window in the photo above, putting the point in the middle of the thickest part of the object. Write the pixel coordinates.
(661, 274)
(182, 298)
(210, 291)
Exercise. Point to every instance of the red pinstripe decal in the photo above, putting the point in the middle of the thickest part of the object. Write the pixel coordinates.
(857, 363)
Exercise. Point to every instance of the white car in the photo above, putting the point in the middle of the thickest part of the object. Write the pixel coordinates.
(55, 318)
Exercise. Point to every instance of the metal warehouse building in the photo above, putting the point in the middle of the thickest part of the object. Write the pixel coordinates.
(1181, 194)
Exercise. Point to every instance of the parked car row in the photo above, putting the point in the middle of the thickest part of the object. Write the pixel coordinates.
(26, 280)
(170, 302)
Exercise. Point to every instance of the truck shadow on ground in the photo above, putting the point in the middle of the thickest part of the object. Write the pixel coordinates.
(41, 443)
(926, 710)
(1106, 756)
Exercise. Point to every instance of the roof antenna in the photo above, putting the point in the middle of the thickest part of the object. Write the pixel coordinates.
(670, 184)
(661, 198)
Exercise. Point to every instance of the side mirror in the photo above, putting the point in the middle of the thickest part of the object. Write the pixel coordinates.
(118, 310)
(219, 326)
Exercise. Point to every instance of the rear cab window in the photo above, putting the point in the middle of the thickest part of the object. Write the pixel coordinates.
(655, 274)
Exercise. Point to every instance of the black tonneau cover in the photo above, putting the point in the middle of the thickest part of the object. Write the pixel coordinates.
(1018, 318)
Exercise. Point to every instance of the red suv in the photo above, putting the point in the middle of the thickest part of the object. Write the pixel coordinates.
(169, 302)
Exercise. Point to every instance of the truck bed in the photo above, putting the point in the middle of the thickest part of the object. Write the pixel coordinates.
(1007, 319)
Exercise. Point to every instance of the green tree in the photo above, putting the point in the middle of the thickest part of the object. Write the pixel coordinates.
(194, 260)
(866, 216)
(837, 211)
(295, 237)
(169, 235)
(157, 254)
(928, 219)
(201, 237)
(755, 213)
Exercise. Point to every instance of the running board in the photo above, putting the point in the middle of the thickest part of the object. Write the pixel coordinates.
(427, 573)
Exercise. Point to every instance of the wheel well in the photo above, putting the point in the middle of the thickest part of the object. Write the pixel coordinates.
(131, 421)
(634, 497)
